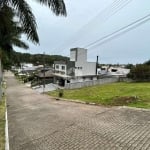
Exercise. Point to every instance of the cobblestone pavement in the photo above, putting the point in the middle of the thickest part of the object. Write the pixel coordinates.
(37, 122)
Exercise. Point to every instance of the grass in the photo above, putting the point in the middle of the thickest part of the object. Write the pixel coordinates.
(2, 124)
(121, 93)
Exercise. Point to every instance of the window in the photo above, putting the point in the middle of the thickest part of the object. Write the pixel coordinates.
(78, 67)
(113, 70)
(63, 67)
(57, 66)
(103, 68)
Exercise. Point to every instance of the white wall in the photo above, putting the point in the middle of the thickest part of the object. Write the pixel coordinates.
(82, 67)
(78, 54)
(88, 68)
(91, 83)
(59, 69)
(83, 79)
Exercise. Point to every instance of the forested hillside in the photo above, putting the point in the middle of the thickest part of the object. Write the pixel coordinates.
(15, 58)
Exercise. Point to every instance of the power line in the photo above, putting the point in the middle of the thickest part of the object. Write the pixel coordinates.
(119, 32)
(103, 16)
(127, 28)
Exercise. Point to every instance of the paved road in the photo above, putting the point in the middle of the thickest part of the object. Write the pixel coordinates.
(37, 122)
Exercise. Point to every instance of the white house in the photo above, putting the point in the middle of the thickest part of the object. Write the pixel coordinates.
(113, 71)
(60, 67)
(78, 69)
(82, 67)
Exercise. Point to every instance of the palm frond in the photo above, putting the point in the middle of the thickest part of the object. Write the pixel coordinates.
(27, 19)
(17, 42)
(57, 6)
(10, 31)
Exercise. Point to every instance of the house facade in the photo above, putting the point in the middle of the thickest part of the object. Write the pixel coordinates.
(78, 69)
(82, 67)
(60, 67)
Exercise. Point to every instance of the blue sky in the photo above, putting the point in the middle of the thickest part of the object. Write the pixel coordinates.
(90, 20)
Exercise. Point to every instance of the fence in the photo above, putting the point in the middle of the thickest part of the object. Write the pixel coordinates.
(91, 83)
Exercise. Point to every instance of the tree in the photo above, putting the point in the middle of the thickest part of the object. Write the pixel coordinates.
(10, 31)
(140, 72)
(129, 66)
(10, 34)
(147, 62)
(26, 17)
(6, 62)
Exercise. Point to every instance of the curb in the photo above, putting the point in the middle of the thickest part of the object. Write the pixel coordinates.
(134, 108)
(6, 129)
(89, 103)
(75, 101)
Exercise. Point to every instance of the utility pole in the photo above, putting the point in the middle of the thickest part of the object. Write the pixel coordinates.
(43, 72)
(96, 65)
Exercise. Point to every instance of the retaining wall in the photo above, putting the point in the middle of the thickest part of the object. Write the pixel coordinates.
(91, 83)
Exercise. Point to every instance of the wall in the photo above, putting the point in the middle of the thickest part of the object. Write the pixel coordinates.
(82, 79)
(60, 70)
(91, 83)
(82, 67)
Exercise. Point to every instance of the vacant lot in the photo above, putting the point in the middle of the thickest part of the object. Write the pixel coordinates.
(2, 124)
(116, 94)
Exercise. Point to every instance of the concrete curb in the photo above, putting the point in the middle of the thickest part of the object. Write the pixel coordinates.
(134, 108)
(76, 101)
(88, 103)
(6, 129)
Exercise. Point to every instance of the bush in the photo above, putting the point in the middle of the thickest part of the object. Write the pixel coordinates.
(60, 92)
(140, 72)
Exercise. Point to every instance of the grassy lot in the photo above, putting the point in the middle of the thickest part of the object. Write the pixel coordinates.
(2, 124)
(114, 94)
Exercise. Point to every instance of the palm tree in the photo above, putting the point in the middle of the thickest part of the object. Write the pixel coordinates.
(26, 17)
(10, 31)
(10, 34)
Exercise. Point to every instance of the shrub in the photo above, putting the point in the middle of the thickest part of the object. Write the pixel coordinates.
(140, 72)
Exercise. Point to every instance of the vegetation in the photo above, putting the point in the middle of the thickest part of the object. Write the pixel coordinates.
(129, 66)
(10, 34)
(16, 19)
(129, 94)
(26, 18)
(140, 72)
(2, 124)
(17, 58)
(10, 30)
(35, 59)
(147, 62)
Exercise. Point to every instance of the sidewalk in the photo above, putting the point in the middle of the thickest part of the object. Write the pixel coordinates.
(37, 122)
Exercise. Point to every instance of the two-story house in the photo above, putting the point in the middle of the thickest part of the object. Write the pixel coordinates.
(75, 70)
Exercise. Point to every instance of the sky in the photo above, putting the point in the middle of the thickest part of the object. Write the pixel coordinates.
(86, 22)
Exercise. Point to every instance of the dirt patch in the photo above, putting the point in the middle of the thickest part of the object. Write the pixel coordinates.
(125, 100)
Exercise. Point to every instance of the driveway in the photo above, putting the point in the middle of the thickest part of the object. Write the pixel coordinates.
(37, 122)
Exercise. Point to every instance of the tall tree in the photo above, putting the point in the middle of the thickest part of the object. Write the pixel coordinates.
(10, 34)
(10, 31)
(26, 17)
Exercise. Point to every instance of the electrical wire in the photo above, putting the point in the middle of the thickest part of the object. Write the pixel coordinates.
(127, 28)
(103, 16)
